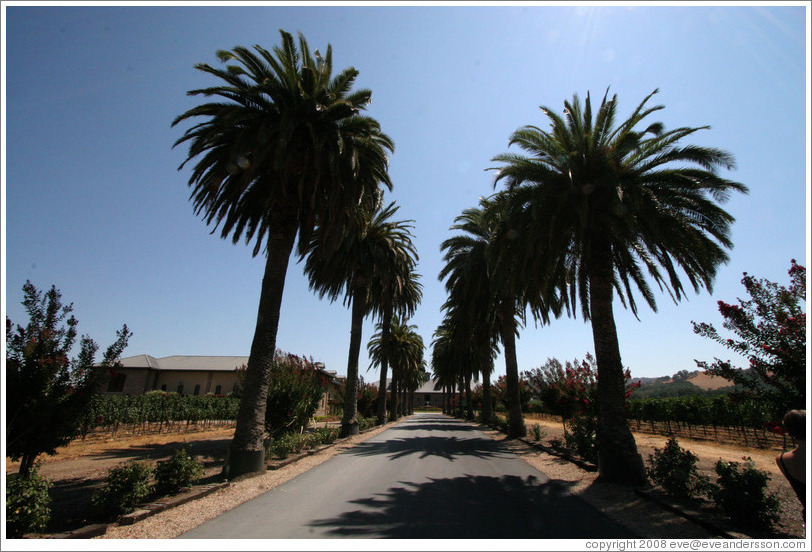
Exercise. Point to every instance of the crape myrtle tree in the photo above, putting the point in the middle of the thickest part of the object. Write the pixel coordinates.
(771, 331)
(608, 206)
(376, 254)
(279, 143)
(47, 392)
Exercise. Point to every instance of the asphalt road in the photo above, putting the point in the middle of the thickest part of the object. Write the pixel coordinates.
(429, 477)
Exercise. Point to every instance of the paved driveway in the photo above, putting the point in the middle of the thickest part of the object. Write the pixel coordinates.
(429, 477)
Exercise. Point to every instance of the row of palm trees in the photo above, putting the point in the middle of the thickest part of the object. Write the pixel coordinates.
(285, 156)
(590, 210)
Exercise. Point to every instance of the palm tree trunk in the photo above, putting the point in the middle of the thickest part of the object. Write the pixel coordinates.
(27, 463)
(618, 459)
(516, 427)
(394, 393)
(487, 410)
(385, 324)
(470, 407)
(247, 449)
(349, 423)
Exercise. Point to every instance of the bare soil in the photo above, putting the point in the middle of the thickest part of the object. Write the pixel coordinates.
(80, 468)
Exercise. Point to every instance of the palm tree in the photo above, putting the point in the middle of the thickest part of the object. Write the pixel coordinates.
(281, 145)
(486, 298)
(376, 256)
(399, 299)
(602, 204)
(408, 364)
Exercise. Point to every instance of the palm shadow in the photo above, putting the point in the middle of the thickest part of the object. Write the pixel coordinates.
(473, 507)
(445, 447)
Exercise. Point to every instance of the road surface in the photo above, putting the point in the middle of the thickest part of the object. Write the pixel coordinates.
(429, 477)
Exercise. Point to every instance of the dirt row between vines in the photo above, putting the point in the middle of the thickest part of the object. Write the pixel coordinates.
(80, 468)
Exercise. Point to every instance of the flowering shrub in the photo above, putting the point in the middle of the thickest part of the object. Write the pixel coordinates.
(571, 389)
(295, 388)
(499, 393)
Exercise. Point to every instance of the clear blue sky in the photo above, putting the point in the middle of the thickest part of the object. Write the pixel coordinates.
(94, 202)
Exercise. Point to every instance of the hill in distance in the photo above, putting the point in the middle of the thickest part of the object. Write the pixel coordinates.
(682, 383)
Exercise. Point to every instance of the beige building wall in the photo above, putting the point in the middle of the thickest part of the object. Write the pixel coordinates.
(188, 378)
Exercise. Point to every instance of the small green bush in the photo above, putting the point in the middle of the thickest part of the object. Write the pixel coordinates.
(284, 445)
(536, 432)
(124, 487)
(674, 469)
(176, 473)
(366, 423)
(28, 504)
(326, 435)
(580, 437)
(740, 492)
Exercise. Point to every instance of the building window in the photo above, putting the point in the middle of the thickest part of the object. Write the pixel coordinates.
(218, 389)
(180, 389)
(116, 383)
(197, 389)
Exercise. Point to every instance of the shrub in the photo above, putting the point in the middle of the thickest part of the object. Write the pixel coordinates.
(366, 423)
(537, 432)
(284, 445)
(741, 494)
(580, 437)
(294, 391)
(28, 507)
(176, 473)
(326, 435)
(124, 487)
(674, 469)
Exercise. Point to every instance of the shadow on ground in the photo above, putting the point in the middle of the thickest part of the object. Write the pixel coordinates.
(474, 507)
(445, 447)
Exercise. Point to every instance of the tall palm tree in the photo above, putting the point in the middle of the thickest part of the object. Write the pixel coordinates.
(408, 364)
(376, 255)
(605, 203)
(399, 299)
(486, 298)
(278, 143)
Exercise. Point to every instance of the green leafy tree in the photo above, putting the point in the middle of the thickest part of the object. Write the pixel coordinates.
(771, 330)
(48, 394)
(376, 252)
(599, 207)
(282, 145)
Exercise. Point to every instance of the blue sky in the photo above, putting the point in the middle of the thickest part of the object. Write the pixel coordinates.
(94, 202)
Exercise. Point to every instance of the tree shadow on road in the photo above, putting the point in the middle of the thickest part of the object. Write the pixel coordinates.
(446, 447)
(473, 507)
